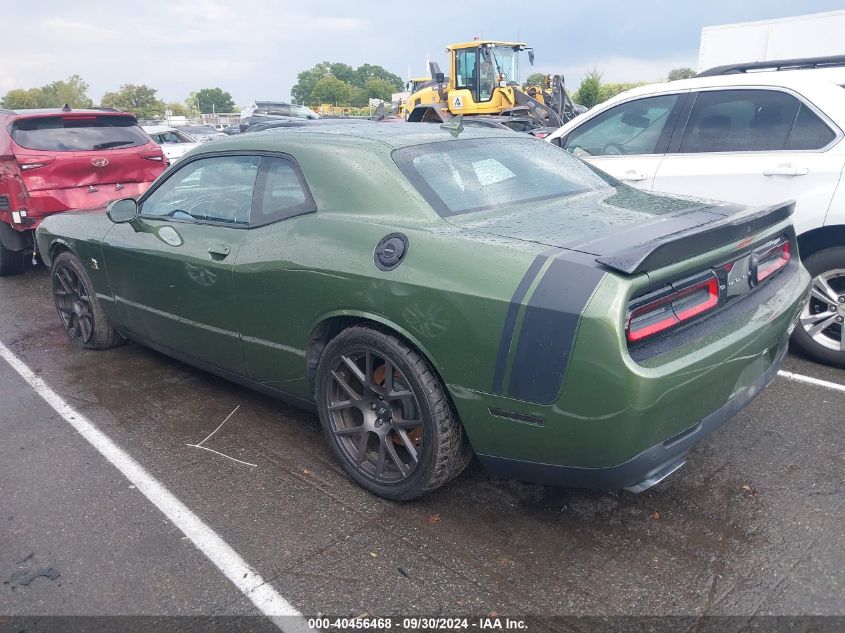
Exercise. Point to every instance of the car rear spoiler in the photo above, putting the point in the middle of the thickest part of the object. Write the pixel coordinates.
(685, 244)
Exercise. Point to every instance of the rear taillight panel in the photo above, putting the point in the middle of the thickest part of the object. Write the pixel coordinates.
(154, 153)
(699, 295)
(771, 258)
(667, 308)
(28, 162)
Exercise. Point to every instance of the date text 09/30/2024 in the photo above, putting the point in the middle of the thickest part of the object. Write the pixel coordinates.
(488, 623)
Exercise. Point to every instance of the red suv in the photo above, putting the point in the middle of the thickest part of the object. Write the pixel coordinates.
(57, 160)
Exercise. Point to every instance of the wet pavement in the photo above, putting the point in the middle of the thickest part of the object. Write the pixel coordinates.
(754, 524)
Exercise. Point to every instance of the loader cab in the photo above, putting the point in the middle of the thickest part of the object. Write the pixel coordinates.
(479, 68)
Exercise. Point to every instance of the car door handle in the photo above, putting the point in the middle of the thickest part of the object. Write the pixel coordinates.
(787, 169)
(634, 176)
(218, 251)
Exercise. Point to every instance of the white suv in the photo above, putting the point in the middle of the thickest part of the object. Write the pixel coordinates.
(750, 137)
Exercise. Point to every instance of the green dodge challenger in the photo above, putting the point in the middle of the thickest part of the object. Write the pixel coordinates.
(435, 292)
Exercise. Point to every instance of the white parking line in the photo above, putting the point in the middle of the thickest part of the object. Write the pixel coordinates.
(811, 381)
(227, 560)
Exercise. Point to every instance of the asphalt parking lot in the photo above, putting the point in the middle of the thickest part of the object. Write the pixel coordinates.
(753, 525)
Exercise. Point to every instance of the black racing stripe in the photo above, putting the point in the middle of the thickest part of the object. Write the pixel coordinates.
(510, 318)
(549, 326)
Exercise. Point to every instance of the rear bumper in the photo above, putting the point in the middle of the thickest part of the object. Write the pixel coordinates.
(648, 467)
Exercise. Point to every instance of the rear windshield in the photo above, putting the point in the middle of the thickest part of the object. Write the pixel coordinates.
(81, 132)
(463, 176)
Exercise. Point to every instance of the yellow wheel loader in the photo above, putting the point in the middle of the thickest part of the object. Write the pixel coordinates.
(483, 85)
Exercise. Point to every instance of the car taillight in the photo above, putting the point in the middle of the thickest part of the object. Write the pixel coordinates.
(771, 258)
(152, 154)
(664, 310)
(28, 161)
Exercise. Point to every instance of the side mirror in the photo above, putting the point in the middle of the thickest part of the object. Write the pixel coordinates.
(121, 211)
(439, 77)
(531, 56)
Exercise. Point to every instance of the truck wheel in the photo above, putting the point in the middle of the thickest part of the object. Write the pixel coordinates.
(79, 309)
(11, 262)
(386, 415)
(821, 331)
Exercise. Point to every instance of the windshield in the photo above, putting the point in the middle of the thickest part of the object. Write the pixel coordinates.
(506, 63)
(463, 176)
(483, 68)
(302, 112)
(172, 136)
(79, 132)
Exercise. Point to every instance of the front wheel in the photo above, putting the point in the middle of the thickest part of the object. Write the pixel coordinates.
(79, 309)
(386, 415)
(821, 331)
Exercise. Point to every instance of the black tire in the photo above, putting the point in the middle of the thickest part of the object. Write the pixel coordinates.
(11, 262)
(444, 450)
(79, 309)
(829, 263)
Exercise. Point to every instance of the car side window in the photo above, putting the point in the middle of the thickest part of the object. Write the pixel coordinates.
(752, 121)
(280, 192)
(213, 189)
(809, 131)
(634, 127)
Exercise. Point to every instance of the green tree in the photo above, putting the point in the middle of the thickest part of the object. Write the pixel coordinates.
(306, 80)
(359, 97)
(379, 89)
(332, 90)
(365, 72)
(210, 100)
(344, 72)
(612, 89)
(20, 99)
(177, 109)
(139, 100)
(72, 91)
(536, 79)
(680, 73)
(589, 92)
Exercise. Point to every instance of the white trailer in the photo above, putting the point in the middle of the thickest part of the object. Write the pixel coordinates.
(812, 35)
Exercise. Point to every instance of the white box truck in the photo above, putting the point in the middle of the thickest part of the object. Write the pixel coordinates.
(800, 36)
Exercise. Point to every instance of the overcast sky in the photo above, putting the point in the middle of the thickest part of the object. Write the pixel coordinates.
(255, 48)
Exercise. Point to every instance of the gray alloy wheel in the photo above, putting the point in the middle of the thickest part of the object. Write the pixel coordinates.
(821, 330)
(78, 307)
(387, 416)
(375, 416)
(824, 314)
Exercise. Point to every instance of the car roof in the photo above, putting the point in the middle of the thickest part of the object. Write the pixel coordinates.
(783, 78)
(24, 112)
(388, 135)
(158, 129)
